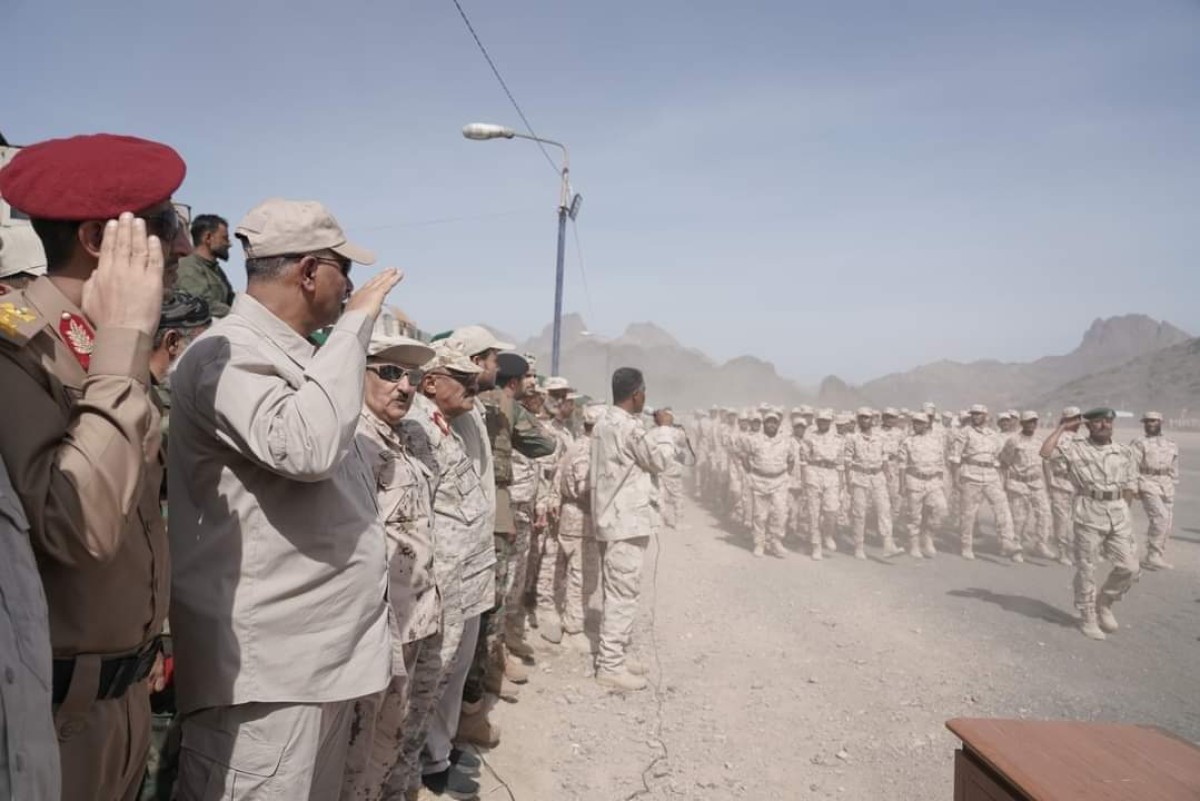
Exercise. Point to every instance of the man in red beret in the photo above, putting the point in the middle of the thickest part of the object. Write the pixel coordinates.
(81, 437)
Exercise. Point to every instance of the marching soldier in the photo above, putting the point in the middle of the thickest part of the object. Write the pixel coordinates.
(1025, 485)
(1106, 479)
(823, 455)
(921, 467)
(1157, 461)
(797, 509)
(1062, 491)
(769, 460)
(974, 459)
(866, 460)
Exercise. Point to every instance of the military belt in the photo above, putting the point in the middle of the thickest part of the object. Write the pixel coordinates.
(870, 471)
(925, 476)
(825, 463)
(974, 463)
(1104, 495)
(117, 673)
(768, 475)
(1149, 471)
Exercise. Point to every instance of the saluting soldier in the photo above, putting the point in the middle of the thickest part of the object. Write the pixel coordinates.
(81, 440)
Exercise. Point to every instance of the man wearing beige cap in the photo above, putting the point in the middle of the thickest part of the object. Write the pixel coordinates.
(1157, 462)
(1025, 485)
(404, 487)
(278, 608)
(974, 460)
(1062, 491)
(823, 453)
(867, 454)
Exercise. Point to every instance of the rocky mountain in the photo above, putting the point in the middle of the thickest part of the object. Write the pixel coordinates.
(1108, 343)
(676, 375)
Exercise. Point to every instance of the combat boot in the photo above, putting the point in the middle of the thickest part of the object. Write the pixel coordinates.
(831, 544)
(519, 648)
(914, 550)
(621, 680)
(968, 552)
(1017, 557)
(758, 551)
(889, 548)
(635, 666)
(475, 728)
(777, 550)
(551, 628)
(1105, 616)
(1065, 560)
(860, 552)
(1089, 625)
(1155, 561)
(1046, 552)
(816, 552)
(515, 670)
(927, 547)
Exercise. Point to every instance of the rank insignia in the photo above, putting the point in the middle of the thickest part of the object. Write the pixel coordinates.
(78, 336)
(11, 317)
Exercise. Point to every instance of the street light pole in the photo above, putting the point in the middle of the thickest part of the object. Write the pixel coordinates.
(568, 206)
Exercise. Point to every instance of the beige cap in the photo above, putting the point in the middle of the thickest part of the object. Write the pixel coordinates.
(947, 415)
(770, 412)
(890, 411)
(825, 414)
(475, 339)
(929, 407)
(279, 227)
(1004, 415)
(1028, 415)
(1152, 416)
(450, 356)
(978, 408)
(844, 419)
(557, 383)
(864, 411)
(390, 345)
(21, 251)
(1072, 411)
(806, 409)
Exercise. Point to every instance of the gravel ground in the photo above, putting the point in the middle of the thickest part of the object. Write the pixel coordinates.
(794, 679)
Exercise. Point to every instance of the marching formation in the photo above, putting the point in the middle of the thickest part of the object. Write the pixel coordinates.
(1061, 497)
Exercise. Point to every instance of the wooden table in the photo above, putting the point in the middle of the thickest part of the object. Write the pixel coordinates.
(1030, 760)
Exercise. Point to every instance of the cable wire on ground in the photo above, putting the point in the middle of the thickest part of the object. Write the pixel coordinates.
(511, 796)
(657, 684)
(503, 85)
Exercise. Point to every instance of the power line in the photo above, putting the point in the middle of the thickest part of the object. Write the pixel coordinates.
(587, 294)
(503, 85)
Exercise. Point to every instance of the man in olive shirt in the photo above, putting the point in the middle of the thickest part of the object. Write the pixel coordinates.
(199, 273)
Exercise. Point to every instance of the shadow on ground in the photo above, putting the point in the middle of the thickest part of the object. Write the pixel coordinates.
(1021, 605)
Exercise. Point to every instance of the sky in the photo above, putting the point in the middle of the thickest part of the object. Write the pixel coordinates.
(850, 188)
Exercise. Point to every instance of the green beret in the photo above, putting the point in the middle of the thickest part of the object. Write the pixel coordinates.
(1100, 413)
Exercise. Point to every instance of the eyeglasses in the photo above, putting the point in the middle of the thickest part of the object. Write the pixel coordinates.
(469, 381)
(344, 266)
(391, 373)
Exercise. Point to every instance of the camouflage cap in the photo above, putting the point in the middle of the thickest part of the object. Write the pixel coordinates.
(844, 419)
(450, 357)
(1028, 415)
(978, 408)
(1071, 411)
(772, 413)
(1004, 415)
(806, 409)
(1152, 416)
(557, 383)
(929, 406)
(864, 411)
(890, 411)
(825, 414)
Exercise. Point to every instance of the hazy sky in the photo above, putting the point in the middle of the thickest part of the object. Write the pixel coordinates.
(841, 187)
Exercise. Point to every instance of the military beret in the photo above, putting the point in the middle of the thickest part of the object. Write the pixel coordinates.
(94, 177)
(181, 310)
(1099, 413)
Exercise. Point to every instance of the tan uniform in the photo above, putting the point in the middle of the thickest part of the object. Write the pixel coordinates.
(579, 563)
(797, 508)
(823, 456)
(1157, 462)
(921, 462)
(1101, 520)
(82, 450)
(404, 488)
(623, 458)
(546, 558)
(867, 455)
(892, 437)
(670, 481)
(1062, 498)
(1025, 485)
(769, 461)
(975, 455)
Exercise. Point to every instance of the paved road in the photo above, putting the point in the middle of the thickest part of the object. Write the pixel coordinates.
(795, 679)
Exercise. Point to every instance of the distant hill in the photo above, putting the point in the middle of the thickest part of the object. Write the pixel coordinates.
(1106, 344)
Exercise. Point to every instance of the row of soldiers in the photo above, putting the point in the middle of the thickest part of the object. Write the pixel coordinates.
(927, 473)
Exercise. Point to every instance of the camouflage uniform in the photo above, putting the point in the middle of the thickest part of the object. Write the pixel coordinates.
(670, 481)
(921, 463)
(1025, 486)
(866, 459)
(580, 558)
(769, 461)
(974, 455)
(892, 436)
(1157, 461)
(823, 456)
(1100, 519)
(797, 507)
(544, 560)
(514, 577)
(623, 458)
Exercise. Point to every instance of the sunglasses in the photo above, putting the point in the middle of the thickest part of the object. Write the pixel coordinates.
(469, 382)
(167, 224)
(390, 372)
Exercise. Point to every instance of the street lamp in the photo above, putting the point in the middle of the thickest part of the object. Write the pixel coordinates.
(568, 206)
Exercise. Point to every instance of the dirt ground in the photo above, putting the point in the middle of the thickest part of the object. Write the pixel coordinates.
(793, 679)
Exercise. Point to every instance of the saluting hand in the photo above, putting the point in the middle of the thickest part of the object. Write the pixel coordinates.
(369, 298)
(126, 289)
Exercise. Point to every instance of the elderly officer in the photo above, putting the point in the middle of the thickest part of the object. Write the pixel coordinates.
(273, 519)
(974, 458)
(404, 487)
(1157, 461)
(1105, 476)
(81, 437)
(579, 561)
(867, 454)
(1062, 491)
(623, 460)
(919, 459)
(463, 567)
(769, 459)
(823, 453)
(1025, 485)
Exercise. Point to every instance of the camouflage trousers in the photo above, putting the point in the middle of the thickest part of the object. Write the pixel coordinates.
(870, 491)
(622, 581)
(823, 491)
(512, 577)
(974, 493)
(797, 521)
(427, 681)
(384, 716)
(924, 509)
(540, 578)
(579, 558)
(162, 763)
(1030, 509)
(1160, 514)
(1061, 516)
(1116, 544)
(895, 496)
(670, 498)
(770, 515)
(737, 500)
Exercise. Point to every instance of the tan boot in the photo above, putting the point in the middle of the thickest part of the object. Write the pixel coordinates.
(1089, 625)
(1155, 561)
(777, 550)
(927, 547)
(816, 552)
(518, 647)
(914, 550)
(1105, 616)
(515, 670)
(475, 728)
(831, 544)
(621, 680)
(1046, 552)
(758, 551)
(890, 549)
(635, 666)
(860, 552)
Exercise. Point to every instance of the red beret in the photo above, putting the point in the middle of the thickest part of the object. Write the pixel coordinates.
(94, 177)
